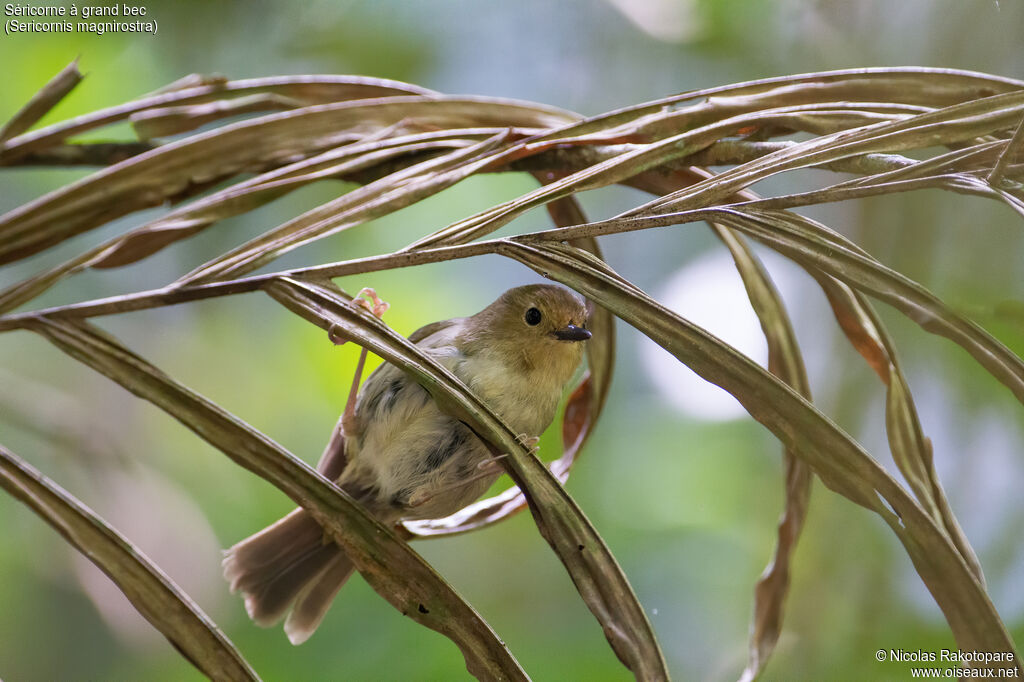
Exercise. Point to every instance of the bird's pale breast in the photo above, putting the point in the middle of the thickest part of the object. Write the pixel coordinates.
(410, 450)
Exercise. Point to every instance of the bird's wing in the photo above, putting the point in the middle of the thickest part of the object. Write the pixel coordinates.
(436, 339)
(426, 331)
(334, 459)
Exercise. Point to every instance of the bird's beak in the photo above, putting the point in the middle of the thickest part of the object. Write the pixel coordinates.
(572, 333)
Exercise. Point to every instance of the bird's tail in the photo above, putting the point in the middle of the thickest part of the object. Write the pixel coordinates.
(289, 562)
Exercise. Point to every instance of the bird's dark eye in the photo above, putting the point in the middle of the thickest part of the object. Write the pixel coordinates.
(533, 317)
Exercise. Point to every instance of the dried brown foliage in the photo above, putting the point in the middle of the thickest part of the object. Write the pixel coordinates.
(403, 144)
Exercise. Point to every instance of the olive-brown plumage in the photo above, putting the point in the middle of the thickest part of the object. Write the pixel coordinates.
(408, 460)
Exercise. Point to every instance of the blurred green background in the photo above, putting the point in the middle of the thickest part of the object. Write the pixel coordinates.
(685, 490)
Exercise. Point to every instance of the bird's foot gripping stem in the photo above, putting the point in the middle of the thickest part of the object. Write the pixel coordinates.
(529, 442)
(366, 298)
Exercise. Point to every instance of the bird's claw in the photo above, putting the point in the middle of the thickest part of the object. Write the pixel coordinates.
(419, 499)
(490, 465)
(368, 298)
(529, 442)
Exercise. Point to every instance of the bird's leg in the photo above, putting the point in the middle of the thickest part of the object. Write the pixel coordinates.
(348, 417)
(366, 298)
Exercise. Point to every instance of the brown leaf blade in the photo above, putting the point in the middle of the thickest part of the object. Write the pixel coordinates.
(911, 449)
(42, 102)
(772, 587)
(145, 240)
(950, 125)
(922, 86)
(200, 89)
(151, 592)
(813, 245)
(373, 200)
(632, 161)
(389, 565)
(581, 411)
(786, 362)
(831, 453)
(593, 569)
(955, 123)
(172, 169)
(175, 120)
(810, 243)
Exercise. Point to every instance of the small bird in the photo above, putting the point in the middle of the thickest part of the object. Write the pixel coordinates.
(406, 459)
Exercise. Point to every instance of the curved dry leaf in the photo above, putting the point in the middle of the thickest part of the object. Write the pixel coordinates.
(911, 449)
(175, 120)
(42, 102)
(962, 183)
(634, 160)
(191, 90)
(786, 362)
(151, 592)
(593, 569)
(381, 197)
(192, 80)
(170, 170)
(772, 587)
(950, 125)
(248, 195)
(831, 453)
(147, 239)
(387, 563)
(963, 159)
(920, 86)
(810, 243)
(1009, 153)
(581, 413)
(767, 118)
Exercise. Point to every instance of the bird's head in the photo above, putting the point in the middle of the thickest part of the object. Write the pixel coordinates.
(541, 325)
